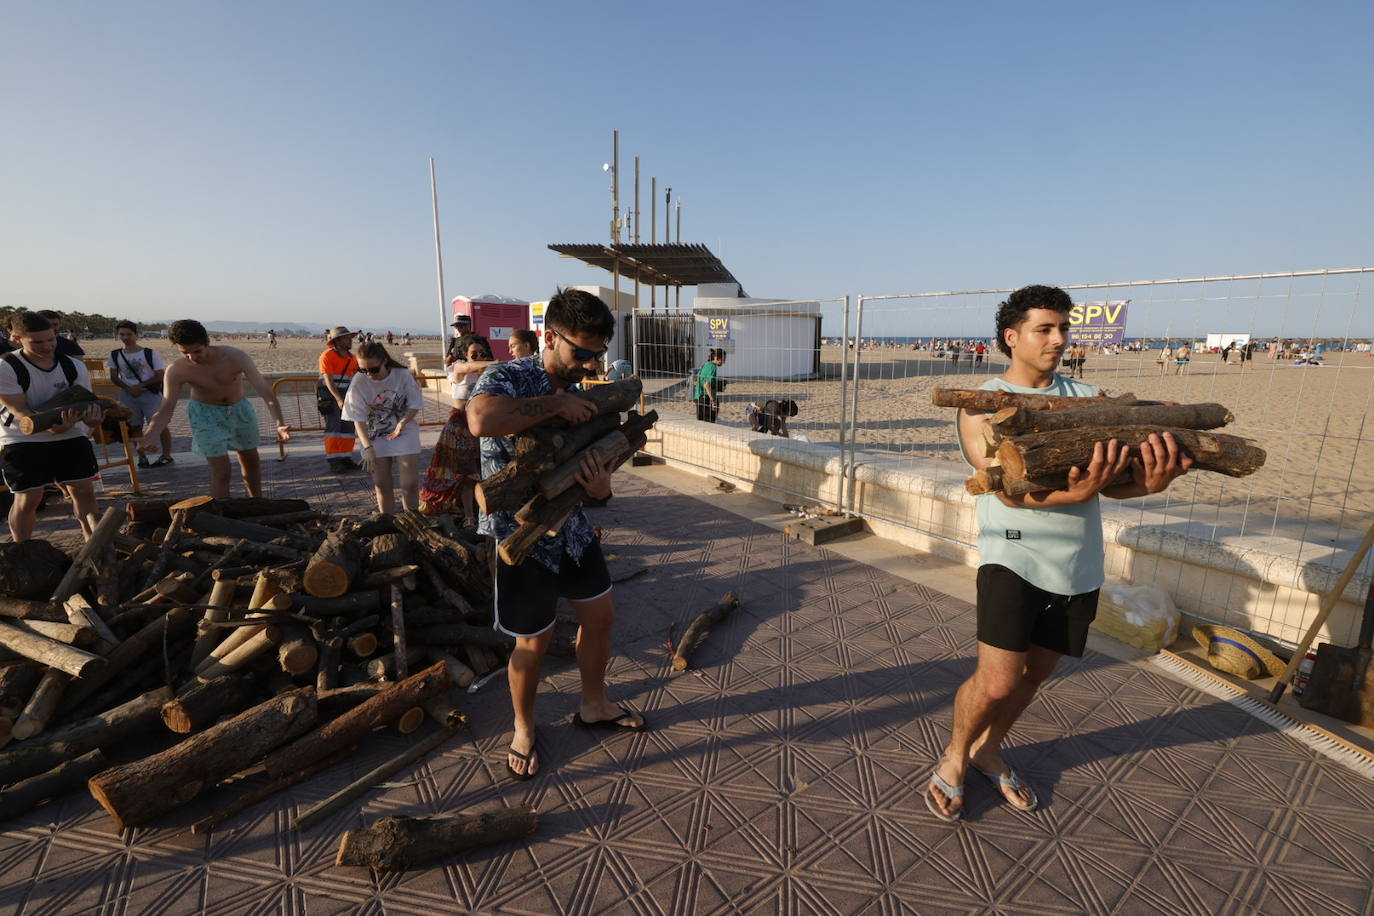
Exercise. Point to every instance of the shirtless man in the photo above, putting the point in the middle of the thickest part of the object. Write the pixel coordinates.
(222, 419)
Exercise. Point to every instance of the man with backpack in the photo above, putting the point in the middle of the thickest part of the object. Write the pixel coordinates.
(60, 454)
(137, 372)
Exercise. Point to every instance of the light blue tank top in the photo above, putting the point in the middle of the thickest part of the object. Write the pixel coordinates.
(1056, 548)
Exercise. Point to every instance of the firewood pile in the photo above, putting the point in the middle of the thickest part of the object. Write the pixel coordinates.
(1033, 439)
(261, 636)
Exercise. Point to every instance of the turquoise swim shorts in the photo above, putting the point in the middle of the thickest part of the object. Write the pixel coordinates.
(218, 429)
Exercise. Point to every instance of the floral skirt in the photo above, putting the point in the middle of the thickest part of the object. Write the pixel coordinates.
(456, 458)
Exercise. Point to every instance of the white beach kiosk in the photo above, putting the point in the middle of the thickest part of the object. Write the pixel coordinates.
(776, 339)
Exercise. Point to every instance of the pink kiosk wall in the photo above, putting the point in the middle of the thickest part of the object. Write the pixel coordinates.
(494, 321)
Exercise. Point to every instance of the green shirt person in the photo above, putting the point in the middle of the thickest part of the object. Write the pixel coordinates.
(707, 387)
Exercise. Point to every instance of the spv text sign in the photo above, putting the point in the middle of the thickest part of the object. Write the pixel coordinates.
(1098, 322)
(718, 329)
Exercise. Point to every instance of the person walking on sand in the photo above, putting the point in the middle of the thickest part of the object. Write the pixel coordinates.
(137, 372)
(1182, 356)
(338, 366)
(221, 416)
(61, 454)
(509, 399)
(1041, 558)
(382, 402)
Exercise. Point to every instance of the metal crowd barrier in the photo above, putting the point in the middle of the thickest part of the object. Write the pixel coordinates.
(305, 384)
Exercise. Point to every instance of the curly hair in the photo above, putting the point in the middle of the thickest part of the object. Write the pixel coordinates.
(188, 332)
(576, 311)
(1012, 311)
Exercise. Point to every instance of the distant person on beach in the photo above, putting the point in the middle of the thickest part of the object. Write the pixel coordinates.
(1247, 354)
(978, 353)
(61, 454)
(1182, 356)
(271, 339)
(707, 386)
(523, 342)
(137, 372)
(772, 417)
(1079, 356)
(383, 401)
(66, 346)
(221, 416)
(338, 366)
(1041, 558)
(509, 399)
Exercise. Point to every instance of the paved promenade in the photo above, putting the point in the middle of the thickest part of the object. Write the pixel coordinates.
(782, 775)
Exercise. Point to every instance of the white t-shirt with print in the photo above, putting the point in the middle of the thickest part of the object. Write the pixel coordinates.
(380, 405)
(133, 369)
(44, 384)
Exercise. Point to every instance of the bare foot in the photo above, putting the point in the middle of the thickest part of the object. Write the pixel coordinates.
(953, 774)
(989, 761)
(522, 761)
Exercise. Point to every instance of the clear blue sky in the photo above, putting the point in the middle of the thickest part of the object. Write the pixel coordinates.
(268, 160)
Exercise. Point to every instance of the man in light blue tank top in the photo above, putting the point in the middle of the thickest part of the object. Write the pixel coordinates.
(1040, 556)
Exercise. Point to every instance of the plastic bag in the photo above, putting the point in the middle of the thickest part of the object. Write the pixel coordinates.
(1141, 615)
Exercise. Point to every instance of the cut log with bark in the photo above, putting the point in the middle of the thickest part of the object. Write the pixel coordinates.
(175, 622)
(986, 400)
(297, 652)
(83, 563)
(50, 652)
(353, 604)
(42, 706)
(17, 681)
(110, 728)
(379, 710)
(28, 609)
(336, 565)
(537, 452)
(207, 635)
(443, 709)
(1047, 455)
(696, 631)
(207, 523)
(458, 671)
(1015, 421)
(387, 551)
(264, 638)
(399, 575)
(253, 796)
(240, 507)
(611, 398)
(65, 777)
(356, 789)
(31, 569)
(76, 397)
(206, 701)
(137, 792)
(398, 634)
(68, 633)
(398, 843)
(388, 667)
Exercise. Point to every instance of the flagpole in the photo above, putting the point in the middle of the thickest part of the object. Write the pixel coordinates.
(439, 263)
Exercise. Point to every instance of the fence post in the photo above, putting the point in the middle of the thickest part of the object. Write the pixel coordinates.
(854, 402)
(841, 504)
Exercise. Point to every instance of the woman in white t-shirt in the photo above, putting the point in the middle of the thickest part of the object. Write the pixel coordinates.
(383, 401)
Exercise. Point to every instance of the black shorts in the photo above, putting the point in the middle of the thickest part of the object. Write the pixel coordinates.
(1013, 614)
(527, 595)
(30, 465)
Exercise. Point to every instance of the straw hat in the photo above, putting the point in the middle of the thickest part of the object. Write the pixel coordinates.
(1235, 653)
(340, 331)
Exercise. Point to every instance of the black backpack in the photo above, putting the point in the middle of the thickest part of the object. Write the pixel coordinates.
(22, 375)
(147, 359)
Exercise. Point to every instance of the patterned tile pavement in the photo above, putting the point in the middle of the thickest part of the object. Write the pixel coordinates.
(782, 775)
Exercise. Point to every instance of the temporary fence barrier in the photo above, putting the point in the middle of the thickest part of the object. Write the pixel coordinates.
(301, 414)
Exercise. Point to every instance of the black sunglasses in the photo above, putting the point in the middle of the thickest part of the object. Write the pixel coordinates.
(582, 354)
(373, 370)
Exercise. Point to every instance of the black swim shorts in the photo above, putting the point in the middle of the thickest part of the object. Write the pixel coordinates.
(30, 465)
(527, 595)
(1013, 614)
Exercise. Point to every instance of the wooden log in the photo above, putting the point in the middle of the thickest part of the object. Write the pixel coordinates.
(42, 706)
(243, 507)
(297, 652)
(175, 622)
(75, 662)
(479, 659)
(444, 711)
(458, 672)
(27, 609)
(80, 612)
(993, 480)
(388, 667)
(450, 558)
(68, 633)
(388, 550)
(137, 792)
(400, 575)
(283, 519)
(336, 565)
(17, 681)
(981, 399)
(6, 731)
(351, 605)
(350, 727)
(208, 523)
(207, 635)
(443, 592)
(149, 511)
(607, 448)
(108, 729)
(381, 523)
(610, 398)
(398, 843)
(277, 604)
(429, 616)
(398, 634)
(409, 720)
(1014, 421)
(1044, 455)
(339, 700)
(253, 796)
(265, 637)
(49, 414)
(65, 777)
(696, 631)
(362, 644)
(356, 789)
(257, 548)
(31, 570)
(538, 451)
(83, 563)
(176, 589)
(207, 701)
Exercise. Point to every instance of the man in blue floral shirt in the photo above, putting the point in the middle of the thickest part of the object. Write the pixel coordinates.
(509, 399)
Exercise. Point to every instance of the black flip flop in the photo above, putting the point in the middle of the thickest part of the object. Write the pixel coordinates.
(612, 725)
(525, 757)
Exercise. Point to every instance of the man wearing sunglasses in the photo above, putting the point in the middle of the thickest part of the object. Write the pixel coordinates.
(509, 399)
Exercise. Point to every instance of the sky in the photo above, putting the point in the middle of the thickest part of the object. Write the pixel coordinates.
(269, 161)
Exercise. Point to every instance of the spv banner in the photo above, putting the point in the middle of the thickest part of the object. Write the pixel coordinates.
(1098, 322)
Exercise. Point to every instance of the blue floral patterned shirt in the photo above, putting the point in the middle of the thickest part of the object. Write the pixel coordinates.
(525, 378)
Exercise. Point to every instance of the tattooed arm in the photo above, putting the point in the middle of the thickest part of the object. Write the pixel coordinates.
(498, 415)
